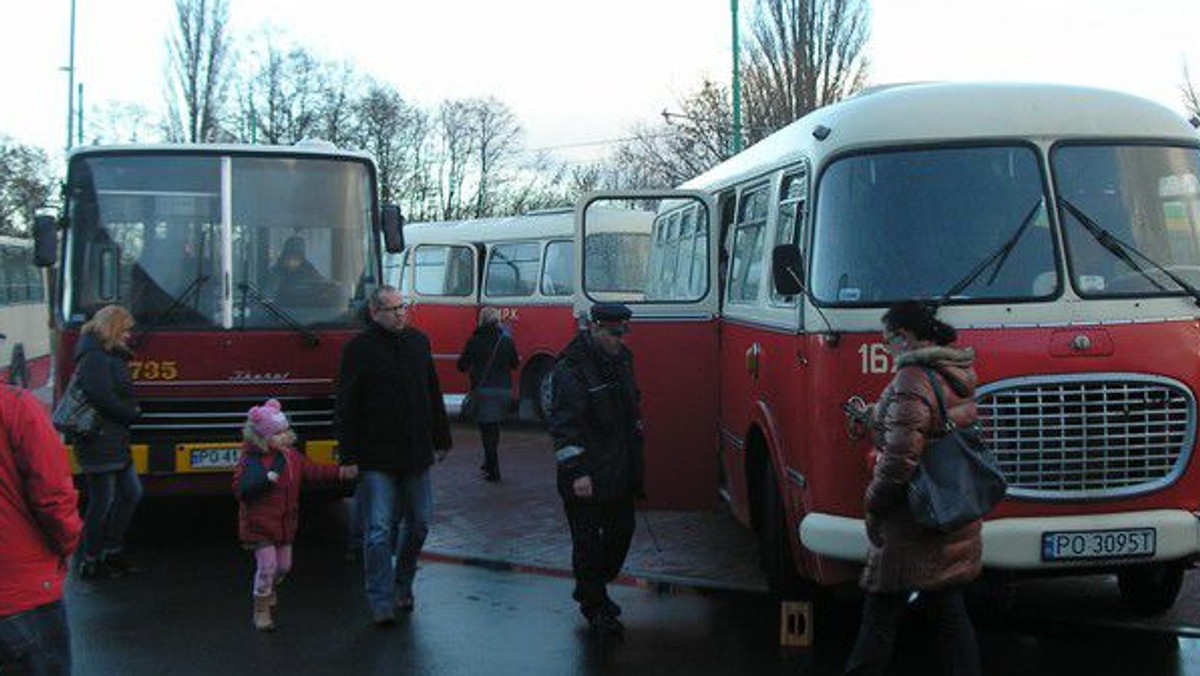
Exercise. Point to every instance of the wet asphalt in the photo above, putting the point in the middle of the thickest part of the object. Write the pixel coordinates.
(190, 614)
(493, 598)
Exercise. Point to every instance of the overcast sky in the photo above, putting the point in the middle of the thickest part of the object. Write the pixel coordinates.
(582, 72)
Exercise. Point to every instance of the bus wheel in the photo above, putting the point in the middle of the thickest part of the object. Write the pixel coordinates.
(774, 541)
(1150, 589)
(545, 391)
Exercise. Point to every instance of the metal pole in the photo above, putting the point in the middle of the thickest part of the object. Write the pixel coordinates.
(735, 143)
(71, 83)
(79, 130)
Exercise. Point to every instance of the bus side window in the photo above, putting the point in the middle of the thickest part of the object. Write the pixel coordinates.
(727, 204)
(557, 268)
(441, 270)
(747, 266)
(512, 269)
(790, 224)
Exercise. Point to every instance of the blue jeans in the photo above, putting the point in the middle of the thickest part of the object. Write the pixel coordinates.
(396, 521)
(112, 498)
(36, 642)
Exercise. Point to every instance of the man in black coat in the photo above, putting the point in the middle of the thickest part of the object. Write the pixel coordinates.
(595, 422)
(391, 423)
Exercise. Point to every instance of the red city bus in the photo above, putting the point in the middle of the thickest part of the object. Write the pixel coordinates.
(1059, 227)
(521, 265)
(199, 243)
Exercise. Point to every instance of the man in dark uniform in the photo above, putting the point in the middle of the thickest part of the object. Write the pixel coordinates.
(596, 426)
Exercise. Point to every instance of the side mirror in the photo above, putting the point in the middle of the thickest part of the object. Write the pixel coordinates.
(787, 269)
(45, 241)
(393, 229)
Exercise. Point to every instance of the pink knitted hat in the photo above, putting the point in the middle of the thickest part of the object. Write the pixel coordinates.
(268, 420)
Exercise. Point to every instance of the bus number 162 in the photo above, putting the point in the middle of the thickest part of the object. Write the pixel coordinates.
(875, 358)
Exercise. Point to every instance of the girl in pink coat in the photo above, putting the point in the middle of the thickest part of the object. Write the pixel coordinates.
(267, 484)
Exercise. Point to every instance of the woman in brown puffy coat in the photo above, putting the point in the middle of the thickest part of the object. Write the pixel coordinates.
(903, 557)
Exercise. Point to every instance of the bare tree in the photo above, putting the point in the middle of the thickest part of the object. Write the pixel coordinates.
(341, 88)
(25, 185)
(122, 122)
(455, 146)
(394, 133)
(1190, 98)
(497, 137)
(197, 75)
(687, 143)
(283, 98)
(802, 54)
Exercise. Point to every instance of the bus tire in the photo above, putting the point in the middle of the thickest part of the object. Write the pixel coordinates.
(774, 542)
(544, 397)
(1151, 589)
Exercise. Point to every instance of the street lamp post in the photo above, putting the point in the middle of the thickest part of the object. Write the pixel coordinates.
(71, 84)
(735, 143)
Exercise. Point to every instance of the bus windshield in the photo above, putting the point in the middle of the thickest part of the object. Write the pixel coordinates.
(913, 223)
(148, 231)
(1146, 198)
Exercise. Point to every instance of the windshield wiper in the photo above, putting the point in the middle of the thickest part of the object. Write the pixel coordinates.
(1123, 252)
(997, 257)
(192, 289)
(311, 339)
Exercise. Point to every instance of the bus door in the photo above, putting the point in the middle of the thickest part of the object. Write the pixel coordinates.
(669, 284)
(441, 283)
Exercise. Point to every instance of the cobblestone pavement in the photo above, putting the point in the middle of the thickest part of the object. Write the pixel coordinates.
(519, 522)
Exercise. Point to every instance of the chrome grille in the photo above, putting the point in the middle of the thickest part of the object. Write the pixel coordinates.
(184, 420)
(1088, 436)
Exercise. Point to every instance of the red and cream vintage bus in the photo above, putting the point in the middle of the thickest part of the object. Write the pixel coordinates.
(25, 354)
(523, 266)
(192, 240)
(1059, 228)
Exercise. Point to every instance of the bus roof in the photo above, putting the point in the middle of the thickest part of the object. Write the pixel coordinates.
(551, 223)
(313, 148)
(913, 114)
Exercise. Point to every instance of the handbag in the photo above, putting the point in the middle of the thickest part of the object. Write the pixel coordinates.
(958, 479)
(470, 403)
(75, 416)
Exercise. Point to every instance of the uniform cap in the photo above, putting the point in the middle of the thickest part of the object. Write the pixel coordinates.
(610, 313)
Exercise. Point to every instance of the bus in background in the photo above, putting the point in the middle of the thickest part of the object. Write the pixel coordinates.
(522, 265)
(25, 354)
(245, 267)
(1058, 228)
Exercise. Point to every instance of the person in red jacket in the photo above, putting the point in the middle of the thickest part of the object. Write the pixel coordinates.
(267, 484)
(39, 529)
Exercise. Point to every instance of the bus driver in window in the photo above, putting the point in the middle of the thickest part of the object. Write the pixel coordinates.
(294, 279)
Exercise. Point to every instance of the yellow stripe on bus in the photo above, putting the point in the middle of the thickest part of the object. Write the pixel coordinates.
(140, 453)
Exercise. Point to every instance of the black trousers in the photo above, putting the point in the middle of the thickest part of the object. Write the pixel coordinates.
(489, 433)
(600, 537)
(882, 614)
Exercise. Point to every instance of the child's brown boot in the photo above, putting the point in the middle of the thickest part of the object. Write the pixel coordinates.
(262, 613)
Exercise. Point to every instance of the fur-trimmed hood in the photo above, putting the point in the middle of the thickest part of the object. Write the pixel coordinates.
(955, 364)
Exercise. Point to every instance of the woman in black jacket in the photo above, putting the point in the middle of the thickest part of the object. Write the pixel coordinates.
(490, 357)
(113, 488)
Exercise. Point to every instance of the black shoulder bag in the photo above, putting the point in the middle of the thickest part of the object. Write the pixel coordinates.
(470, 402)
(958, 479)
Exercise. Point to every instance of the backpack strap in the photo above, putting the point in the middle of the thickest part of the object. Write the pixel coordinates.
(947, 424)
